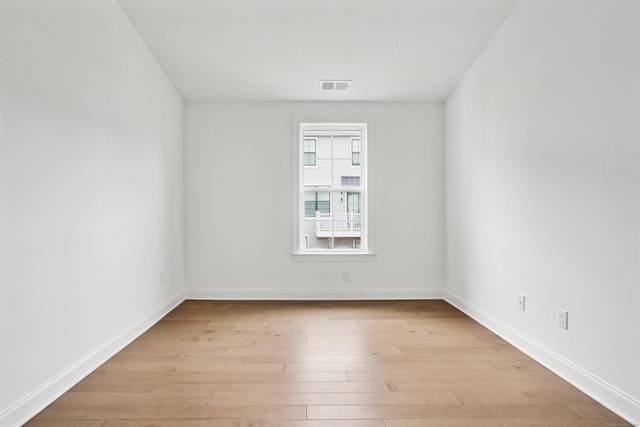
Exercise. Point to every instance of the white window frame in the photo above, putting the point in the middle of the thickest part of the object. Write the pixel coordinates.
(366, 251)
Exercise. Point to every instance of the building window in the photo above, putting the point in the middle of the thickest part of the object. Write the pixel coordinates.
(355, 151)
(310, 151)
(316, 201)
(332, 196)
(351, 180)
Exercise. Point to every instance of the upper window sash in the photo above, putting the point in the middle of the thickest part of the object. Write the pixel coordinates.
(309, 150)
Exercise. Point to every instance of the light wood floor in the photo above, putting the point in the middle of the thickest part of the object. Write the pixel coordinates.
(322, 364)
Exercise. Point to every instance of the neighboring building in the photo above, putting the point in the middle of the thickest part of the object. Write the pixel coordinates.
(332, 219)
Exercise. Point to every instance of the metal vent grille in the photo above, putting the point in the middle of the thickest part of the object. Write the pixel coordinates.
(327, 85)
(335, 84)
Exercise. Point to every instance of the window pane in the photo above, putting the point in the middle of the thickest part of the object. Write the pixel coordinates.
(309, 145)
(309, 159)
(353, 202)
(350, 180)
(355, 158)
(310, 208)
(309, 149)
(323, 196)
(355, 145)
(323, 207)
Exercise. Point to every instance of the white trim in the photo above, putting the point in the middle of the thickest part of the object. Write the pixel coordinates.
(606, 394)
(333, 256)
(30, 405)
(317, 185)
(319, 294)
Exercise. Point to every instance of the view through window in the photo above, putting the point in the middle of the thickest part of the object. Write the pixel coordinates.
(332, 188)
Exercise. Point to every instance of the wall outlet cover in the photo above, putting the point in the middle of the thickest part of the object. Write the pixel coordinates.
(563, 318)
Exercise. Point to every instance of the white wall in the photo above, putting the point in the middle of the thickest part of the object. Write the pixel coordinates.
(90, 194)
(542, 188)
(238, 190)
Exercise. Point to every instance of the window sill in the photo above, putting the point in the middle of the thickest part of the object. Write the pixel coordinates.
(333, 257)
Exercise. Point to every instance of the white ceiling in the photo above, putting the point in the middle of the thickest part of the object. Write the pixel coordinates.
(280, 49)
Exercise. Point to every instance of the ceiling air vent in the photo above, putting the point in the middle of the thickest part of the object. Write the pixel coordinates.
(335, 84)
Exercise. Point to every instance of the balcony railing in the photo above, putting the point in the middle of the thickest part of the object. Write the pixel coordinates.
(337, 224)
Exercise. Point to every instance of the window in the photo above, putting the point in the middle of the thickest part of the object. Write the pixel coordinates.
(316, 201)
(355, 151)
(351, 180)
(331, 206)
(310, 152)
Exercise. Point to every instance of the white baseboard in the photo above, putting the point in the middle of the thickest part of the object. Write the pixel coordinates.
(30, 405)
(617, 401)
(334, 294)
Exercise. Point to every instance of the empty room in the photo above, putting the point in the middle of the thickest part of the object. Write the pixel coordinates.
(337, 213)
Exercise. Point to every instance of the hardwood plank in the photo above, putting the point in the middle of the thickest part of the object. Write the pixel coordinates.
(208, 364)
(306, 398)
(242, 423)
(275, 387)
(67, 423)
(388, 367)
(559, 395)
(225, 377)
(175, 412)
(306, 350)
(493, 353)
(363, 357)
(593, 410)
(330, 412)
(496, 396)
(428, 422)
(494, 423)
(446, 374)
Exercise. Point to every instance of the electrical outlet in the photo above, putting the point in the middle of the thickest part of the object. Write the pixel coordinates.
(520, 302)
(563, 318)
(345, 276)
